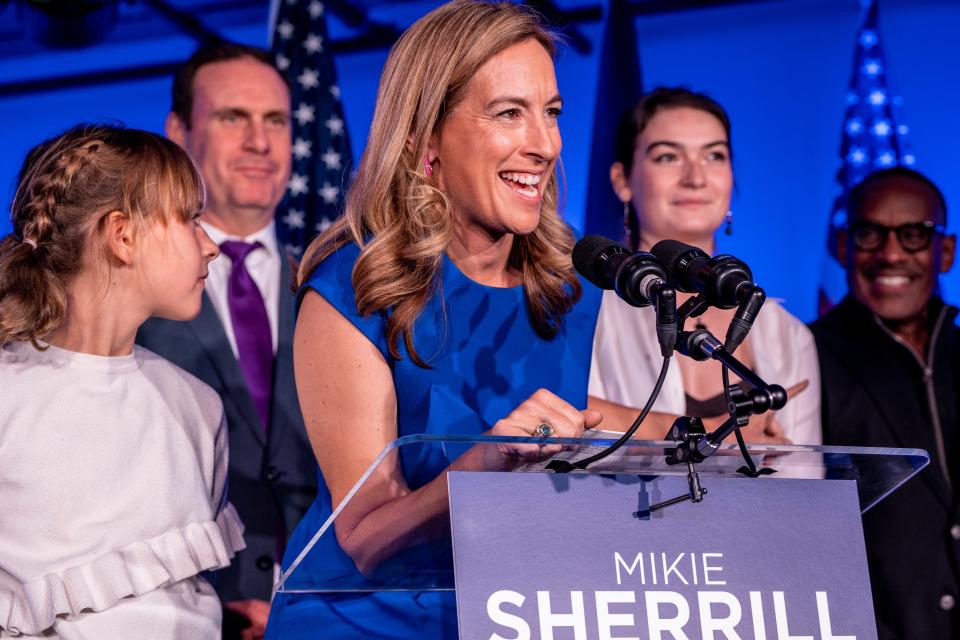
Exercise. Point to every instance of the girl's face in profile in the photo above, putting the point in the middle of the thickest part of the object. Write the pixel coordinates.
(173, 257)
(681, 178)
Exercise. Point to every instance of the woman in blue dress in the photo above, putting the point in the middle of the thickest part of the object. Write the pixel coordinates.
(443, 301)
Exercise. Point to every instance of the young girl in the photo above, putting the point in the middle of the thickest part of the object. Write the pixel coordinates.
(112, 460)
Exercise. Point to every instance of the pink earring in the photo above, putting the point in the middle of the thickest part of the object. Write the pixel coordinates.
(426, 165)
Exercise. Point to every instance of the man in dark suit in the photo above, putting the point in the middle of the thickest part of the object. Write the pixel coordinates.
(890, 369)
(231, 112)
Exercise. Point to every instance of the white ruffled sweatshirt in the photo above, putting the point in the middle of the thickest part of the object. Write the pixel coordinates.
(112, 473)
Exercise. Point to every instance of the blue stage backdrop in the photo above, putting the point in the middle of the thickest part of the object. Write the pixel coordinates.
(780, 67)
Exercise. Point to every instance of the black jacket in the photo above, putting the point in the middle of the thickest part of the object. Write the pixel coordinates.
(878, 393)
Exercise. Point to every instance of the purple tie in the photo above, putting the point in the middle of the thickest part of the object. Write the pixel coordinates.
(251, 327)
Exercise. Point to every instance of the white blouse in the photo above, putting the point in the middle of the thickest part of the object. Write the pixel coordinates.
(112, 473)
(627, 361)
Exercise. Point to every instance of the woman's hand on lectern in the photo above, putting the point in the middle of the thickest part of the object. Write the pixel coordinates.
(543, 412)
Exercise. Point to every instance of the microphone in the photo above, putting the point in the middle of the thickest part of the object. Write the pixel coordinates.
(610, 266)
(637, 278)
(724, 281)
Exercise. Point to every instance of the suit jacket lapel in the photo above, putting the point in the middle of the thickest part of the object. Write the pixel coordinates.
(213, 339)
(285, 410)
(285, 317)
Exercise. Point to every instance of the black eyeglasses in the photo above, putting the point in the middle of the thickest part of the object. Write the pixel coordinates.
(913, 236)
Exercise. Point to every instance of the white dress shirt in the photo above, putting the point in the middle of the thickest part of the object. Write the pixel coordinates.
(264, 267)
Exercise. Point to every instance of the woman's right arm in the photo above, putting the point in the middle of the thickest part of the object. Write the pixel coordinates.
(349, 405)
(350, 411)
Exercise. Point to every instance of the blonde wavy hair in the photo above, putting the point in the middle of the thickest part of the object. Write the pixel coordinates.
(67, 187)
(400, 220)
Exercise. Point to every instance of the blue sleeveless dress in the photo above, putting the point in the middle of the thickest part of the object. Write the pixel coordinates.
(485, 360)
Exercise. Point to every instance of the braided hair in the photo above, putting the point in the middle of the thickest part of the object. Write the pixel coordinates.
(66, 188)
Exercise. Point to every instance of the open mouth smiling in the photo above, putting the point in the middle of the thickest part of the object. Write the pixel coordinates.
(525, 184)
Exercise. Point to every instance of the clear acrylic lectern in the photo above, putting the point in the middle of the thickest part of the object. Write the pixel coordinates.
(429, 567)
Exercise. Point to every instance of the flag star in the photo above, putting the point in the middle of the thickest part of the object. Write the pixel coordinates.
(872, 67)
(283, 62)
(877, 97)
(852, 97)
(315, 9)
(302, 148)
(840, 218)
(335, 91)
(285, 29)
(323, 225)
(329, 193)
(313, 43)
(909, 159)
(295, 219)
(903, 129)
(297, 184)
(854, 126)
(304, 114)
(857, 156)
(881, 128)
(308, 79)
(868, 38)
(885, 159)
(335, 125)
(293, 249)
(331, 158)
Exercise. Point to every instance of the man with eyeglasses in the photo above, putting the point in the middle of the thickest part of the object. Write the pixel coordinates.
(890, 369)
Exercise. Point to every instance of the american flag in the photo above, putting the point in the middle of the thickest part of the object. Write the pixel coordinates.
(871, 139)
(321, 146)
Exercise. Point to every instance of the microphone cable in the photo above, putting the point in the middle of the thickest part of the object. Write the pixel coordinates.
(564, 466)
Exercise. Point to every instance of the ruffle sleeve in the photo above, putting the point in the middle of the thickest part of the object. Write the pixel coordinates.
(136, 569)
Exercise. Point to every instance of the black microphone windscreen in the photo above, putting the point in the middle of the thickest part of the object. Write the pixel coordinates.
(669, 253)
(586, 254)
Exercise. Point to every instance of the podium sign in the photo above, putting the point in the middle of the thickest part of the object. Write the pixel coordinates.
(579, 556)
